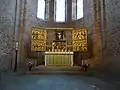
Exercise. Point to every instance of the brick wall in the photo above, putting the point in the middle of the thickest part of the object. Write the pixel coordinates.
(113, 33)
(7, 16)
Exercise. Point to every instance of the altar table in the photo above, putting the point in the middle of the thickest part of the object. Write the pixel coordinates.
(58, 58)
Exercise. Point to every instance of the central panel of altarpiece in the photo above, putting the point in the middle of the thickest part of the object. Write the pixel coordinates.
(58, 44)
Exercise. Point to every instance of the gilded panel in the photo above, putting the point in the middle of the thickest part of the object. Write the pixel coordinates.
(80, 40)
(38, 39)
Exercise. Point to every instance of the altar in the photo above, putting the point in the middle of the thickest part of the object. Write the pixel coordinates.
(58, 58)
(59, 45)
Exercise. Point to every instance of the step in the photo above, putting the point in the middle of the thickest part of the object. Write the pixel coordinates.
(57, 70)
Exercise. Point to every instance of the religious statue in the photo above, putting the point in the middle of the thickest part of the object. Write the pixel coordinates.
(59, 36)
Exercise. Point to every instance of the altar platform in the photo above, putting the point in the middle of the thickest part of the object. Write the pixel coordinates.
(58, 58)
(57, 70)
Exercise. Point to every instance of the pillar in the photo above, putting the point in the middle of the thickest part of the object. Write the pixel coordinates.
(47, 8)
(74, 9)
(51, 11)
(103, 30)
(69, 11)
(21, 47)
(97, 49)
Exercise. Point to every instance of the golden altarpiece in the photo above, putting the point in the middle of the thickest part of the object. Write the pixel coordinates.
(58, 54)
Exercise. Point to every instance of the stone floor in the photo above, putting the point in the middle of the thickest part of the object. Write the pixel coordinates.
(12, 81)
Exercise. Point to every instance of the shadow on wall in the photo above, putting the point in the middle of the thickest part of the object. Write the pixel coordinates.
(90, 47)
